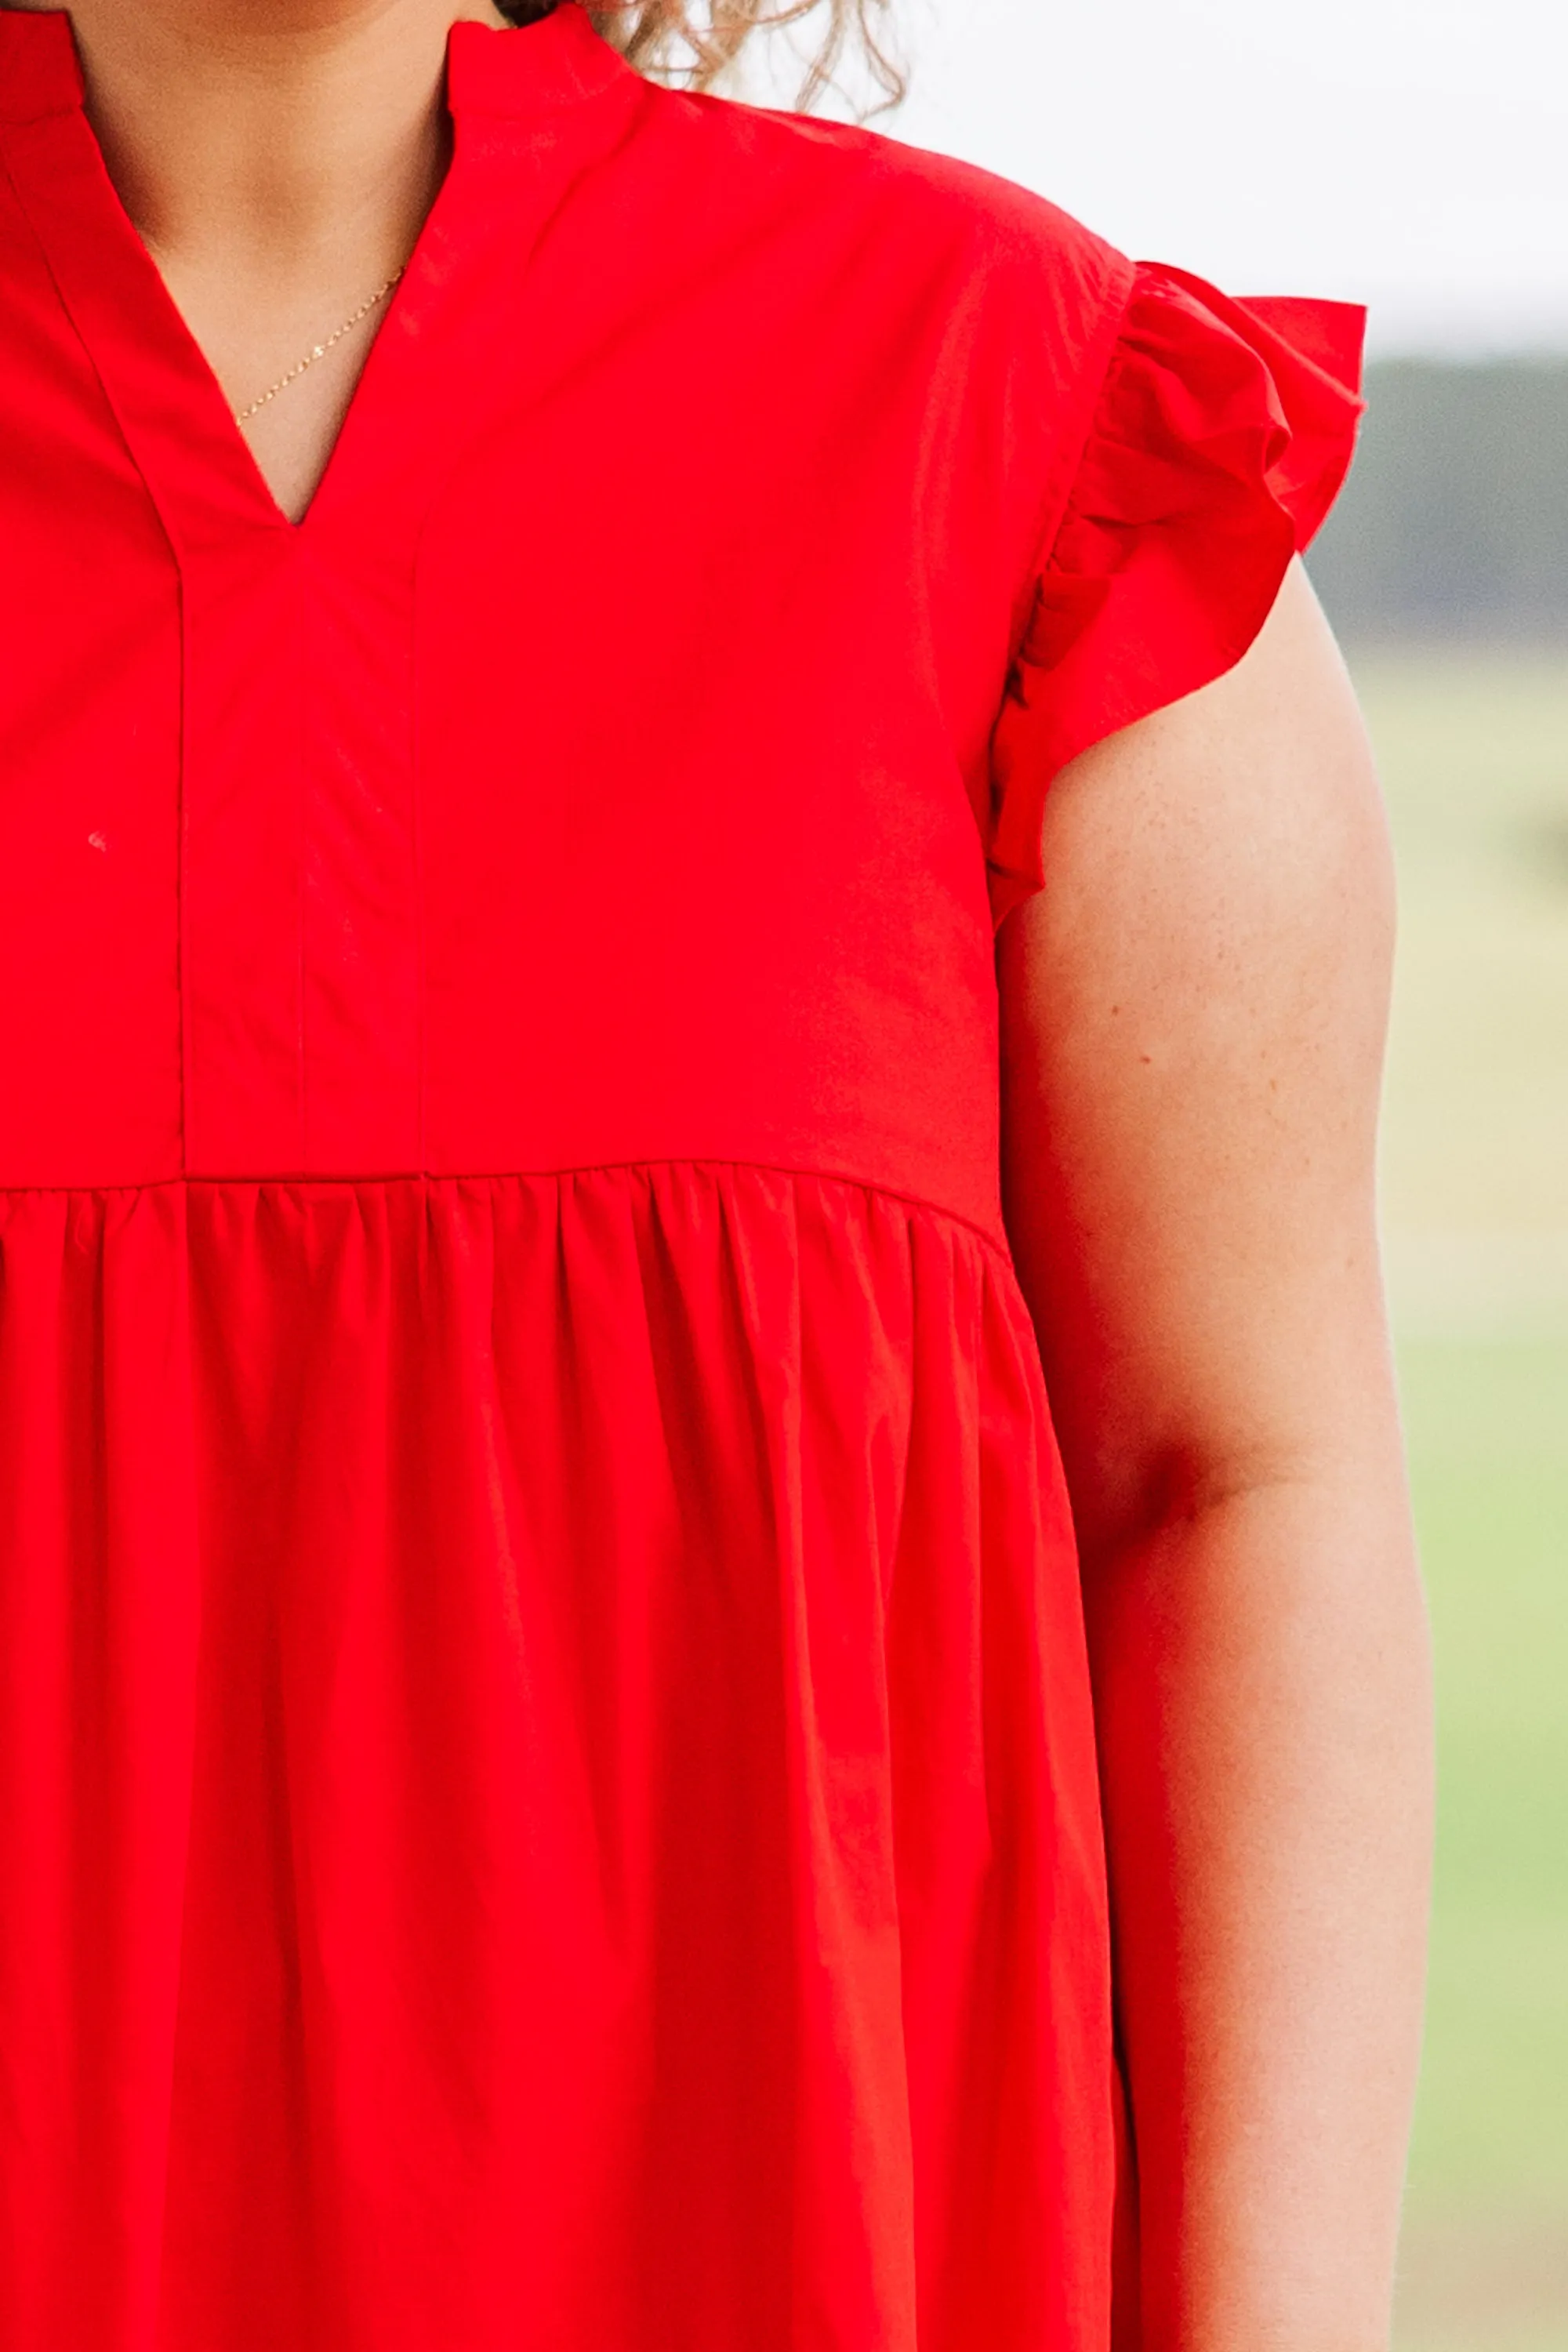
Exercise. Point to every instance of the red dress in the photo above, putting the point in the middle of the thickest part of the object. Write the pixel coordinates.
(547, 1797)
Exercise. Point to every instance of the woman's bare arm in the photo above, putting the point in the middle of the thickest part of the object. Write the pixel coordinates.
(1192, 1019)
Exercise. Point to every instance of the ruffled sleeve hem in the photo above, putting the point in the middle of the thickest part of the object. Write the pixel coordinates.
(1222, 432)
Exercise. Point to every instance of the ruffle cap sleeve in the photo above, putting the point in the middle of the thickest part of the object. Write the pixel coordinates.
(1220, 436)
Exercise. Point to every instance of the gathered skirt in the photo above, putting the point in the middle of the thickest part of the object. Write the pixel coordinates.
(545, 1775)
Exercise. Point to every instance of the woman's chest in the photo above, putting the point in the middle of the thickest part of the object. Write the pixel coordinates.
(564, 803)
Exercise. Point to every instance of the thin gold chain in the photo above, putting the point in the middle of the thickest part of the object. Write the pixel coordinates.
(319, 350)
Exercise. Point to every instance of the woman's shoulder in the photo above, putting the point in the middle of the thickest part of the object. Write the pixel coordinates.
(907, 208)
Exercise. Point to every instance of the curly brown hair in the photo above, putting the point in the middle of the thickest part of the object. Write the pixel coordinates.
(673, 41)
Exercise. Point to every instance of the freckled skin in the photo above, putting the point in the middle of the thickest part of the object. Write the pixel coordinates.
(1189, 1173)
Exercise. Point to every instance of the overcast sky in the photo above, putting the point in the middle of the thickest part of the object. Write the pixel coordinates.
(1409, 153)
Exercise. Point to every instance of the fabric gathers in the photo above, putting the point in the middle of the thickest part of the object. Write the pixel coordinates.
(496, 1743)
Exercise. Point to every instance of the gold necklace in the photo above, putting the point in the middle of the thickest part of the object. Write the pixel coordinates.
(319, 350)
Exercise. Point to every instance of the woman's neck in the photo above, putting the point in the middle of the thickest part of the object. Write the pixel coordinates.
(271, 136)
(278, 158)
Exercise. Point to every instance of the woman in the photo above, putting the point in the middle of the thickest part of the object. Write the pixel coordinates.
(568, 1090)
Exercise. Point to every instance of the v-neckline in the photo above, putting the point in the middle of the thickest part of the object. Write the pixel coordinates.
(167, 326)
(166, 395)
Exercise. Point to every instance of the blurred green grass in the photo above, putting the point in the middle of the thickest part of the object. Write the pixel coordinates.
(1473, 747)
(1485, 2265)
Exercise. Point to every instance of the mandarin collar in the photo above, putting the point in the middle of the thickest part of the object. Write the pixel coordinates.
(516, 72)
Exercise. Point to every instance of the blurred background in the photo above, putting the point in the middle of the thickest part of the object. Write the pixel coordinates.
(1412, 155)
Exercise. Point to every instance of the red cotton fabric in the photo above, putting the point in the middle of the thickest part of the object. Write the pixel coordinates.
(547, 1789)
